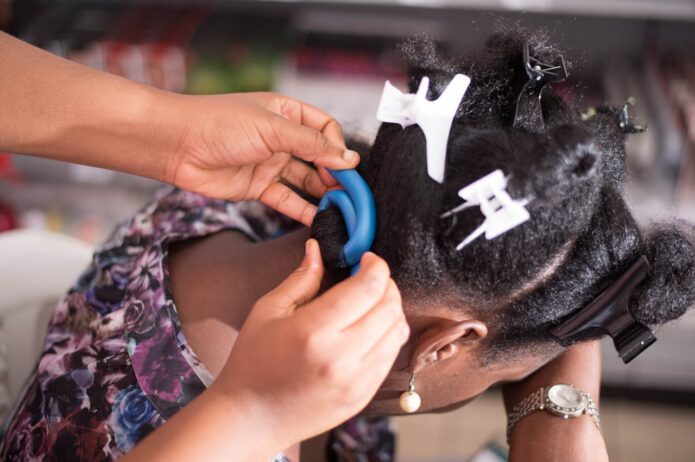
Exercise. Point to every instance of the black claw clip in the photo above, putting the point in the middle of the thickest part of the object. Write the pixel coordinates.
(529, 114)
(625, 121)
(609, 313)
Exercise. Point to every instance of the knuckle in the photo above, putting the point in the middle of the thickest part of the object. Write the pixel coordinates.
(357, 393)
(379, 267)
(349, 392)
(372, 283)
(390, 312)
(313, 345)
(264, 301)
(307, 214)
(308, 180)
(388, 352)
(396, 311)
(284, 198)
(308, 273)
(320, 141)
(392, 291)
(332, 372)
(273, 138)
(404, 328)
(332, 122)
(332, 125)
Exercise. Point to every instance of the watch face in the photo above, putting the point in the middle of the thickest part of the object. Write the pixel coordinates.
(566, 400)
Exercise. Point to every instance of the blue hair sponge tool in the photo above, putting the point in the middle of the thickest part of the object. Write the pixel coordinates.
(356, 203)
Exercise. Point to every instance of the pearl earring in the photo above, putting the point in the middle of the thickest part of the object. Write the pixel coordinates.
(410, 401)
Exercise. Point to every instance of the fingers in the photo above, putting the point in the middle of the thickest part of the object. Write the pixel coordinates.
(327, 178)
(304, 177)
(379, 360)
(372, 326)
(299, 287)
(308, 144)
(312, 117)
(315, 118)
(352, 298)
(288, 202)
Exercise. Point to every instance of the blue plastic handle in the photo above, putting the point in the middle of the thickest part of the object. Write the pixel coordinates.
(356, 203)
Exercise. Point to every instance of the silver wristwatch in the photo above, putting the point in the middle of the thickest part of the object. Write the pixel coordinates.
(562, 400)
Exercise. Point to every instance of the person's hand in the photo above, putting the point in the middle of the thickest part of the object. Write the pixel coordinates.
(248, 146)
(235, 146)
(310, 365)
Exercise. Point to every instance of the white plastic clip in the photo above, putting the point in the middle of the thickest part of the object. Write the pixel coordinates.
(433, 117)
(502, 213)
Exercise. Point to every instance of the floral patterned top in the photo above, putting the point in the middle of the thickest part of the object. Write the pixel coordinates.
(115, 363)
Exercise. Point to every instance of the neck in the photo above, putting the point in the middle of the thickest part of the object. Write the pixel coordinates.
(222, 276)
(217, 280)
(263, 266)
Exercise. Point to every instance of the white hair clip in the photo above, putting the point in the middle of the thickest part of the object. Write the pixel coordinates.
(502, 213)
(433, 117)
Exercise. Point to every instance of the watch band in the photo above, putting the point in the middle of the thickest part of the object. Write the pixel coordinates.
(536, 402)
(592, 411)
(528, 405)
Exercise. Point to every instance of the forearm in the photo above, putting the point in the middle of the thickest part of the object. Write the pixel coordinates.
(212, 428)
(54, 108)
(543, 437)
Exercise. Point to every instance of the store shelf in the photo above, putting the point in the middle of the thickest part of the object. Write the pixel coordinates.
(680, 10)
(672, 10)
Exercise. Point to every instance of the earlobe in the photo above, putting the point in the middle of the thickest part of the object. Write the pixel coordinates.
(445, 340)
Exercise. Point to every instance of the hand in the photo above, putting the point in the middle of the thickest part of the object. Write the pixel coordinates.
(248, 146)
(237, 146)
(309, 366)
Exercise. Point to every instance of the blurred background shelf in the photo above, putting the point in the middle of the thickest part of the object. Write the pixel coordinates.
(678, 10)
(681, 10)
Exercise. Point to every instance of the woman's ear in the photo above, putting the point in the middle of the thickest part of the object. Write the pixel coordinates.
(444, 340)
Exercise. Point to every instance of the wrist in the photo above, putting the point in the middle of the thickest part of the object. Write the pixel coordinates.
(161, 123)
(169, 118)
(580, 366)
(253, 412)
(550, 438)
(547, 424)
(143, 129)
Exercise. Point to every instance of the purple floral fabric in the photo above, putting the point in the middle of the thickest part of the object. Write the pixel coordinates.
(115, 364)
(362, 439)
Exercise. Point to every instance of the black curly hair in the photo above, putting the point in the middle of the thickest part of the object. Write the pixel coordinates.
(581, 236)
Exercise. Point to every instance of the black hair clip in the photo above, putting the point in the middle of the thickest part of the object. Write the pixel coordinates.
(528, 106)
(625, 121)
(621, 115)
(609, 313)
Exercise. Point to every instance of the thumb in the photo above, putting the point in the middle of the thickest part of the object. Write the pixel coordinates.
(297, 289)
(311, 145)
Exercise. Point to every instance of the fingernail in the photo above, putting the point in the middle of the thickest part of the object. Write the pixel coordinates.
(310, 247)
(350, 156)
(366, 258)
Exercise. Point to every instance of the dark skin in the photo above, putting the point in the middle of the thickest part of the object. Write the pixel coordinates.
(217, 279)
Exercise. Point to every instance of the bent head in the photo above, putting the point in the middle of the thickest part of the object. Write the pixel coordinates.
(481, 315)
